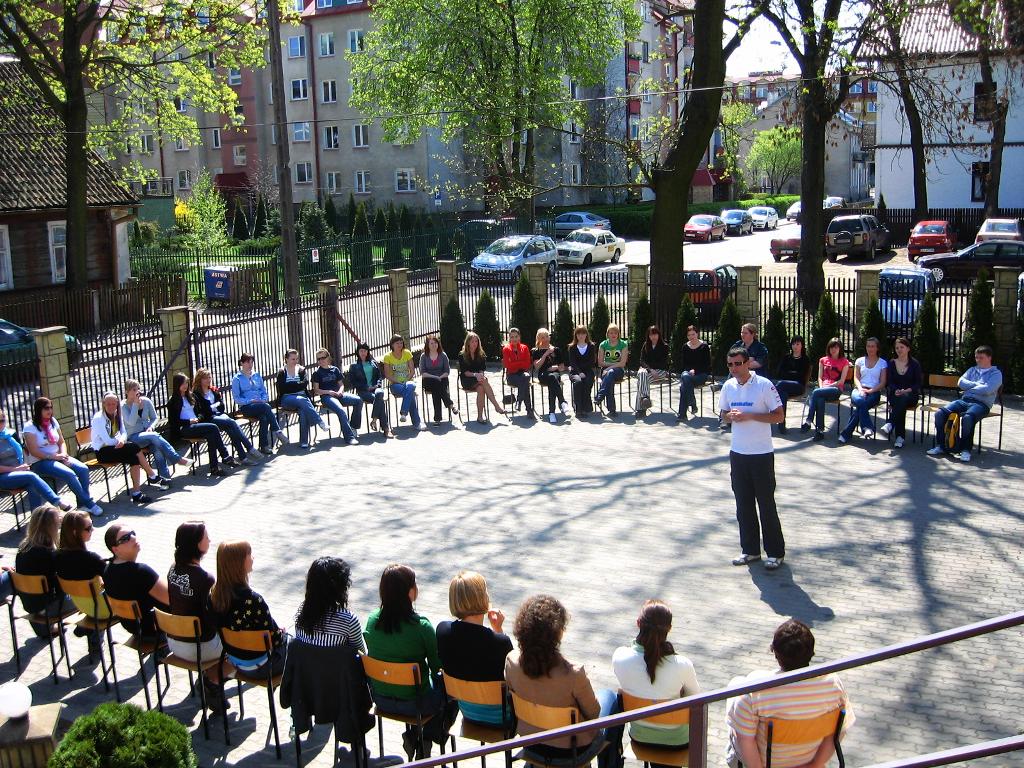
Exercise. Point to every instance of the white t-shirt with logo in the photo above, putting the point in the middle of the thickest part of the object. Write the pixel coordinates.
(758, 395)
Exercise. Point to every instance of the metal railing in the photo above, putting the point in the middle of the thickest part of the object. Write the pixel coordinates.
(698, 704)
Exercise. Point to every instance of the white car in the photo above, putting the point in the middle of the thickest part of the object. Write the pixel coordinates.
(793, 212)
(589, 246)
(764, 217)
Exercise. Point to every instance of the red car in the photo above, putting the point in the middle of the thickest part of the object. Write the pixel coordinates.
(704, 228)
(931, 237)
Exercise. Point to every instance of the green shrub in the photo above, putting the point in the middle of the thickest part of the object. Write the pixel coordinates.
(486, 326)
(239, 226)
(927, 340)
(600, 318)
(453, 328)
(775, 337)
(873, 325)
(124, 736)
(729, 323)
(824, 328)
(405, 225)
(420, 247)
(562, 330)
(352, 210)
(259, 222)
(685, 317)
(524, 311)
(380, 223)
(334, 220)
(362, 249)
(638, 325)
(980, 329)
(1017, 363)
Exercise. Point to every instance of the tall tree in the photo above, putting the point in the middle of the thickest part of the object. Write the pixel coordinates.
(776, 154)
(488, 74)
(733, 118)
(144, 57)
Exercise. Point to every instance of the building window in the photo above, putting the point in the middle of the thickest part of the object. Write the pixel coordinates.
(273, 134)
(304, 173)
(324, 3)
(300, 131)
(362, 182)
(240, 112)
(857, 88)
(761, 92)
(147, 145)
(298, 5)
(296, 47)
(234, 77)
(355, 40)
(645, 51)
(405, 180)
(872, 86)
(181, 145)
(180, 104)
(328, 91)
(668, 70)
(6, 276)
(270, 94)
(872, 107)
(326, 43)
(211, 60)
(361, 135)
(645, 95)
(300, 89)
(185, 179)
(215, 138)
(574, 90)
(238, 154)
(574, 173)
(984, 102)
(331, 138)
(333, 182)
(574, 133)
(645, 11)
(634, 128)
(979, 180)
(58, 250)
(351, 89)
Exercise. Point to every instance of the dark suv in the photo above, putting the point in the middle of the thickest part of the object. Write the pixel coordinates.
(862, 235)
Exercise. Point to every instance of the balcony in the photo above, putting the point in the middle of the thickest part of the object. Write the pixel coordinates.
(161, 187)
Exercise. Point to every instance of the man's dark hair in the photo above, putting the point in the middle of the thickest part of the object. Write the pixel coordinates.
(738, 352)
(793, 645)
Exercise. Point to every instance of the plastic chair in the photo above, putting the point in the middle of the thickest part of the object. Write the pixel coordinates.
(84, 438)
(256, 641)
(186, 629)
(488, 694)
(545, 718)
(803, 731)
(652, 753)
(129, 611)
(39, 586)
(92, 590)
(394, 673)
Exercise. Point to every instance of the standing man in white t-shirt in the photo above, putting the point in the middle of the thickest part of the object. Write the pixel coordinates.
(751, 404)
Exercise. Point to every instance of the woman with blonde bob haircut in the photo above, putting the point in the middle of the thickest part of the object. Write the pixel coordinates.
(468, 649)
(237, 607)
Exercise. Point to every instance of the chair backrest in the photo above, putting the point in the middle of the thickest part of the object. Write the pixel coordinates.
(679, 717)
(392, 672)
(85, 589)
(30, 584)
(488, 694)
(128, 610)
(543, 717)
(804, 731)
(942, 381)
(84, 438)
(254, 640)
(185, 628)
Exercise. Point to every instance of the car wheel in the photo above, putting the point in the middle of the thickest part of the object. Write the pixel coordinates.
(871, 252)
(776, 224)
(615, 257)
(587, 261)
(833, 258)
(516, 274)
(938, 274)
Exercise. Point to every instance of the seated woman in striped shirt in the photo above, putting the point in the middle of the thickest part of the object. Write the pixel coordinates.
(323, 618)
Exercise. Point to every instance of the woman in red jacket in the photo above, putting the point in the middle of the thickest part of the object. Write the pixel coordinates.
(515, 356)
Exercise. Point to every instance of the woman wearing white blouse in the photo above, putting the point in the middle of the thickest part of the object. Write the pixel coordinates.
(112, 446)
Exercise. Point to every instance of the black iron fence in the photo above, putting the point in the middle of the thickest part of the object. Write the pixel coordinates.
(19, 387)
(424, 311)
(965, 221)
(799, 317)
(364, 309)
(582, 287)
(708, 291)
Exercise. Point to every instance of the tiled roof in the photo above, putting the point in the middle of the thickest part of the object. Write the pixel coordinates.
(33, 173)
(931, 30)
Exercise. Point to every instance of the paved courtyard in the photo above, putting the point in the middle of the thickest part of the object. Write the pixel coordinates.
(882, 546)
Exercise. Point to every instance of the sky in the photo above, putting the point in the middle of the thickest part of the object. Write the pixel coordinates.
(761, 50)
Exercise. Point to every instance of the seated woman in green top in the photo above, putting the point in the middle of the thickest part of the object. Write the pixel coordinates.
(612, 356)
(395, 632)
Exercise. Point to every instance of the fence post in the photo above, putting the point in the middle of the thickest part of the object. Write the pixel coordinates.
(537, 275)
(867, 290)
(748, 298)
(51, 346)
(636, 288)
(447, 286)
(175, 327)
(1004, 313)
(399, 280)
(331, 328)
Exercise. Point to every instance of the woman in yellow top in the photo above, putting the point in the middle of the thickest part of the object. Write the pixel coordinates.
(400, 370)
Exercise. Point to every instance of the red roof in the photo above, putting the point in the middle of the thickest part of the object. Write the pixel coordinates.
(232, 180)
(702, 178)
(721, 176)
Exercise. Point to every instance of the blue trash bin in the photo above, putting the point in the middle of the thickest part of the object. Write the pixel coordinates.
(217, 280)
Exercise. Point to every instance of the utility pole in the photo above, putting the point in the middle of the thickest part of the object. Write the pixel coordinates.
(289, 252)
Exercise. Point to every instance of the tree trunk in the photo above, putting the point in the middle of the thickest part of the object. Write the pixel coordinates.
(998, 115)
(810, 265)
(918, 155)
(76, 121)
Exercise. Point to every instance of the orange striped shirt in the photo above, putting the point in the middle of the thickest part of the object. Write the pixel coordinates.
(748, 714)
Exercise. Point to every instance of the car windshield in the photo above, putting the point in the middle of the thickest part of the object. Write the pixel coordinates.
(845, 225)
(903, 285)
(1000, 226)
(930, 229)
(732, 215)
(506, 246)
(582, 237)
(758, 211)
(706, 221)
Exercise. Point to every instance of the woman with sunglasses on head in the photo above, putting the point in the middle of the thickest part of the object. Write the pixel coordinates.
(15, 474)
(582, 362)
(549, 367)
(210, 407)
(329, 386)
(435, 369)
(183, 422)
(112, 446)
(48, 457)
(473, 375)
(293, 393)
(653, 369)
(249, 392)
(367, 379)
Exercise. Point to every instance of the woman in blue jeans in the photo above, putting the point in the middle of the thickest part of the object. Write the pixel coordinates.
(138, 415)
(366, 378)
(48, 457)
(183, 422)
(210, 407)
(15, 474)
(293, 392)
(399, 370)
(696, 369)
(250, 395)
(833, 370)
(869, 375)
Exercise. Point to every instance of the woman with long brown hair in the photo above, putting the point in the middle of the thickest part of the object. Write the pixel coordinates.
(76, 563)
(435, 368)
(650, 668)
(210, 407)
(582, 362)
(473, 375)
(47, 455)
(37, 556)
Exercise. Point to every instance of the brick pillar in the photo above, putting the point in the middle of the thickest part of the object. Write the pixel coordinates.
(399, 279)
(1004, 313)
(448, 287)
(176, 326)
(330, 327)
(867, 289)
(51, 346)
(636, 289)
(537, 274)
(748, 297)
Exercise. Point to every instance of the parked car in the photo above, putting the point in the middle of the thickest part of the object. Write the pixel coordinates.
(793, 212)
(784, 246)
(18, 346)
(901, 291)
(764, 217)
(860, 234)
(709, 288)
(573, 220)
(965, 264)
(704, 227)
(478, 233)
(833, 201)
(589, 246)
(1000, 229)
(738, 222)
(506, 257)
(931, 237)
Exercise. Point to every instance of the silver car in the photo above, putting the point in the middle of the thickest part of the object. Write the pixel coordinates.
(764, 217)
(506, 257)
(901, 291)
(573, 220)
